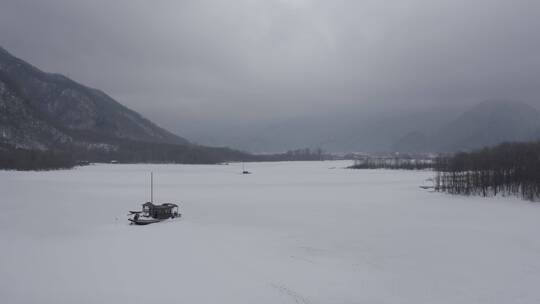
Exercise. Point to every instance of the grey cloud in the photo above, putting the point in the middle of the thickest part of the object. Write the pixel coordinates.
(209, 63)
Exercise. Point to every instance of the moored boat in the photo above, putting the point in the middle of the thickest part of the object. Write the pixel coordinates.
(152, 213)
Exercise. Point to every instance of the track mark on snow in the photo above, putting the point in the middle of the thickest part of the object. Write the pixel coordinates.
(298, 298)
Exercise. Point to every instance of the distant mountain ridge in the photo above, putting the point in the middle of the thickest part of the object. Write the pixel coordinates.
(353, 129)
(445, 128)
(485, 124)
(42, 110)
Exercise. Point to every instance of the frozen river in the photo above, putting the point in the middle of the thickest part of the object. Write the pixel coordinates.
(298, 232)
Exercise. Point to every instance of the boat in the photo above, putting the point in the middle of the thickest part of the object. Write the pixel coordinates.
(244, 171)
(152, 213)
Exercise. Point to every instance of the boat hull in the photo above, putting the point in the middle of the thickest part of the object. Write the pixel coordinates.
(144, 221)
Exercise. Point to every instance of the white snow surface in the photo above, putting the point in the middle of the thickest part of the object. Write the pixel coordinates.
(291, 232)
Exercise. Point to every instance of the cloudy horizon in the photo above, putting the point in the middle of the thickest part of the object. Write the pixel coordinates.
(209, 64)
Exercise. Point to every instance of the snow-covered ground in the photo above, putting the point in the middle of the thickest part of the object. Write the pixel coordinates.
(299, 232)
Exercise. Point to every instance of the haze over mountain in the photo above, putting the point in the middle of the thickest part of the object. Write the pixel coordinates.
(486, 124)
(428, 130)
(338, 131)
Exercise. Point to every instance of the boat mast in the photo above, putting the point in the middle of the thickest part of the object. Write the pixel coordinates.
(151, 187)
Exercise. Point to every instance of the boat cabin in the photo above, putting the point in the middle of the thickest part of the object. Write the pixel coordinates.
(163, 211)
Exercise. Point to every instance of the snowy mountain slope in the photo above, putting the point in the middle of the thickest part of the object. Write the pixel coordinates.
(41, 110)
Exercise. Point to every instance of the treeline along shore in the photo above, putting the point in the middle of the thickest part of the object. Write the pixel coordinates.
(395, 162)
(132, 152)
(506, 169)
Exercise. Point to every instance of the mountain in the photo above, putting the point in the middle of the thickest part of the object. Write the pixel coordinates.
(358, 129)
(486, 124)
(49, 121)
(345, 129)
(42, 110)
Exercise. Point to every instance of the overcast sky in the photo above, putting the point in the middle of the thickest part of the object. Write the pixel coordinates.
(208, 61)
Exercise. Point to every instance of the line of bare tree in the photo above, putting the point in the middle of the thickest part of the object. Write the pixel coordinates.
(392, 163)
(506, 169)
